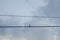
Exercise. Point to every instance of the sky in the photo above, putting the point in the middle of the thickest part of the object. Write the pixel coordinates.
(27, 8)
(47, 8)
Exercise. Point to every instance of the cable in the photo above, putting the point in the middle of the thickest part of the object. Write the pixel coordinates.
(24, 26)
(28, 16)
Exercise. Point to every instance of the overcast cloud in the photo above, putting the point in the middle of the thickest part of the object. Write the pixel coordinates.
(47, 8)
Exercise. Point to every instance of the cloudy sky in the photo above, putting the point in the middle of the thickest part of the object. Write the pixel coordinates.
(46, 8)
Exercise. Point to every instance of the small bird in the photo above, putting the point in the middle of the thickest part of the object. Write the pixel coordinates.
(29, 25)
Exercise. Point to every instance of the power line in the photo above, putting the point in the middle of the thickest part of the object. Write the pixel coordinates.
(27, 16)
(24, 26)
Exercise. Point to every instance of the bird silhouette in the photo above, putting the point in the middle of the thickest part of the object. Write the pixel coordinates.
(29, 25)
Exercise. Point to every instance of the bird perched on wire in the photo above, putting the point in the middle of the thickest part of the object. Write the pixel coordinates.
(29, 25)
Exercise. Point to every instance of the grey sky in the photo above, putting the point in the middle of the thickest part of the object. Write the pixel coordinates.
(47, 8)
(28, 8)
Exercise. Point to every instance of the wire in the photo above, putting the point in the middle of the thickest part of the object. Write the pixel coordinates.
(24, 26)
(27, 16)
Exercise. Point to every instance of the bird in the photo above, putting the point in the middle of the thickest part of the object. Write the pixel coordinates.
(29, 25)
